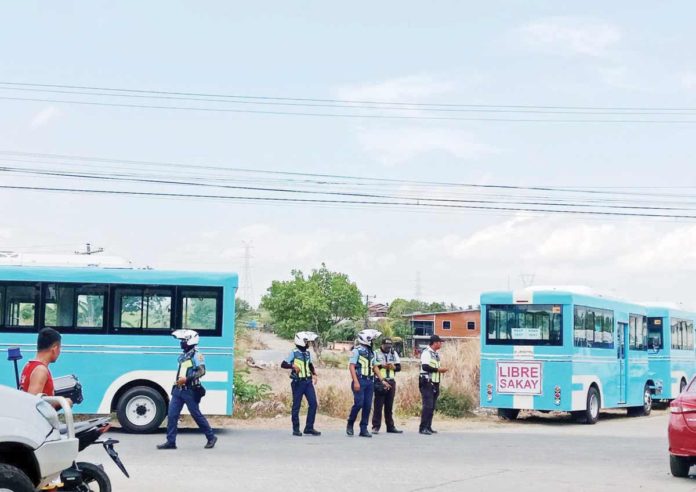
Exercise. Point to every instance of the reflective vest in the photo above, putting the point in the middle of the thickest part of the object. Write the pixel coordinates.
(434, 362)
(365, 361)
(189, 364)
(384, 372)
(301, 362)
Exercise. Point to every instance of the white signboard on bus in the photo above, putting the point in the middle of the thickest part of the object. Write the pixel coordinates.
(526, 333)
(519, 377)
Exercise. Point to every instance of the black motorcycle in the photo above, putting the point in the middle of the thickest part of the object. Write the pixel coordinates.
(82, 476)
(85, 477)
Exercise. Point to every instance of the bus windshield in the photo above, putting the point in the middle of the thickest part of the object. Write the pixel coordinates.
(536, 324)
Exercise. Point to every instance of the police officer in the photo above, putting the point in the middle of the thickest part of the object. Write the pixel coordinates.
(188, 390)
(363, 369)
(429, 383)
(304, 377)
(389, 364)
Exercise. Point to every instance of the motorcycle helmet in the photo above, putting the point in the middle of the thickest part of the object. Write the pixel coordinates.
(303, 338)
(366, 337)
(187, 338)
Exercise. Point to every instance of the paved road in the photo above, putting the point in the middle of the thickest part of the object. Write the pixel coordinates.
(617, 453)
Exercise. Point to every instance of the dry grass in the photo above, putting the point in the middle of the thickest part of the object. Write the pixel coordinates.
(335, 397)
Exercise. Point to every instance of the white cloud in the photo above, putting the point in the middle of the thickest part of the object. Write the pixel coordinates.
(568, 35)
(412, 88)
(688, 80)
(397, 144)
(43, 117)
(629, 258)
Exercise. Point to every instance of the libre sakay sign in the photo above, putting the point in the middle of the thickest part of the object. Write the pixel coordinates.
(519, 377)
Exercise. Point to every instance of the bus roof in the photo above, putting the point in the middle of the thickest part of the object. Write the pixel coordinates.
(117, 276)
(578, 294)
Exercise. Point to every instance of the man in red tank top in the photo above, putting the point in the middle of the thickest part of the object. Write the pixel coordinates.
(36, 377)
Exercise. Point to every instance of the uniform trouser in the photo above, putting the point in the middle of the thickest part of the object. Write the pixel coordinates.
(181, 397)
(300, 388)
(384, 400)
(429, 393)
(362, 401)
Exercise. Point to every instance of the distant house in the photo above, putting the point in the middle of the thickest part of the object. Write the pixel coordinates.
(378, 310)
(452, 325)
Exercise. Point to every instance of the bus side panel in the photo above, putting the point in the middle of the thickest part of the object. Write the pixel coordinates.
(682, 367)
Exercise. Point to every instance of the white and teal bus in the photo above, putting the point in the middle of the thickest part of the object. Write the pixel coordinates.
(116, 326)
(671, 349)
(564, 349)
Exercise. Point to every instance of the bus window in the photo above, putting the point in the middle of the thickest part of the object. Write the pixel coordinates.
(682, 334)
(142, 307)
(90, 306)
(59, 306)
(524, 325)
(655, 326)
(199, 309)
(20, 306)
(637, 332)
(580, 335)
(597, 326)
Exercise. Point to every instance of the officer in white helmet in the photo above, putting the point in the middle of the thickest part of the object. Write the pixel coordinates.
(303, 377)
(188, 390)
(363, 371)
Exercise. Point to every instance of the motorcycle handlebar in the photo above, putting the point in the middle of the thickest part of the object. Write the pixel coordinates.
(67, 410)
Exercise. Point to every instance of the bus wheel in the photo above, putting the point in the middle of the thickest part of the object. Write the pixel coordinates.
(508, 413)
(141, 409)
(591, 414)
(646, 408)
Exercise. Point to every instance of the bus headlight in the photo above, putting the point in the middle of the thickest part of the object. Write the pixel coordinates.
(489, 392)
(557, 395)
(49, 413)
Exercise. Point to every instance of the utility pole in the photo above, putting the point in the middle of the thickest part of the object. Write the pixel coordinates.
(247, 287)
(89, 251)
(367, 310)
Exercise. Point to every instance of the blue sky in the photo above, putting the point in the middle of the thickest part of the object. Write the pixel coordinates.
(534, 53)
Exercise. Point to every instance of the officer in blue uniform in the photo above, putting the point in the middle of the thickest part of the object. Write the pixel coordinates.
(363, 370)
(304, 377)
(188, 390)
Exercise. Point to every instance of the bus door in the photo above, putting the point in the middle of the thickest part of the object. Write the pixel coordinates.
(621, 351)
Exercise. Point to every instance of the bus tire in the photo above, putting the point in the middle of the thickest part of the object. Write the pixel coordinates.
(14, 479)
(141, 410)
(645, 409)
(590, 415)
(508, 413)
(679, 466)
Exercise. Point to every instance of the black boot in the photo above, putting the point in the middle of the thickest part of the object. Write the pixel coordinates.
(296, 432)
(349, 430)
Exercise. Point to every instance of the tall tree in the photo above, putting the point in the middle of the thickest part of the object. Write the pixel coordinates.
(317, 302)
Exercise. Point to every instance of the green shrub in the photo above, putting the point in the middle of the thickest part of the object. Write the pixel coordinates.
(453, 404)
(247, 392)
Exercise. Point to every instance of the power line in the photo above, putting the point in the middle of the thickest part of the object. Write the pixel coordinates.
(345, 115)
(376, 105)
(356, 179)
(340, 202)
(427, 200)
(347, 101)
